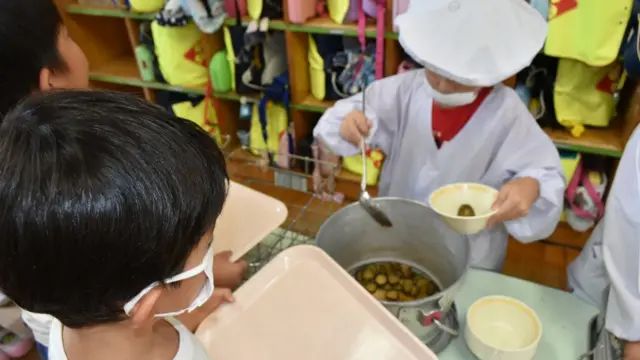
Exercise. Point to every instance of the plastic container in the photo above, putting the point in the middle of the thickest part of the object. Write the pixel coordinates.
(302, 305)
(243, 205)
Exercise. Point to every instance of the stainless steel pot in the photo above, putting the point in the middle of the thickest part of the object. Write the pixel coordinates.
(418, 238)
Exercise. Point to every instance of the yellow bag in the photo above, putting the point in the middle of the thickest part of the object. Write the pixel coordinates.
(202, 114)
(317, 75)
(231, 55)
(272, 9)
(146, 6)
(590, 31)
(583, 95)
(339, 10)
(375, 158)
(180, 55)
(277, 126)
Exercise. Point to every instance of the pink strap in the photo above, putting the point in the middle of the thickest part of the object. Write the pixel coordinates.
(362, 27)
(581, 177)
(380, 39)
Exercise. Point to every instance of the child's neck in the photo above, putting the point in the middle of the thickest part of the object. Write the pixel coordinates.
(158, 341)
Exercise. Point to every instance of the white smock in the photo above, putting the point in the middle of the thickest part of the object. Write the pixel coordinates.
(189, 347)
(611, 257)
(501, 141)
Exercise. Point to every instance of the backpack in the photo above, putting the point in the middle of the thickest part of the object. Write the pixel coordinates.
(272, 9)
(301, 11)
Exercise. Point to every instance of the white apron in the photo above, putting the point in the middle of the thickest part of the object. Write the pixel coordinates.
(612, 254)
(500, 142)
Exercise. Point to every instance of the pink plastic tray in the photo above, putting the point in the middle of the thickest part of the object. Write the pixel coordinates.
(248, 217)
(302, 305)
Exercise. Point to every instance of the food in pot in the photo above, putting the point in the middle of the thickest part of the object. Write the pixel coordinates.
(466, 210)
(393, 281)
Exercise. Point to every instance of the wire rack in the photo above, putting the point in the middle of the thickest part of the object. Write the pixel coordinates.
(310, 199)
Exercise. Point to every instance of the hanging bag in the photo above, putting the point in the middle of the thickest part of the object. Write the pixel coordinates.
(301, 11)
(271, 9)
(584, 95)
(240, 57)
(585, 199)
(146, 6)
(235, 8)
(179, 53)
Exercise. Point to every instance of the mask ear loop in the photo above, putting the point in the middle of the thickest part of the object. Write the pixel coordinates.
(182, 276)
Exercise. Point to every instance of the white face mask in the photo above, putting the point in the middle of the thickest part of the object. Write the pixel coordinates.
(450, 100)
(205, 293)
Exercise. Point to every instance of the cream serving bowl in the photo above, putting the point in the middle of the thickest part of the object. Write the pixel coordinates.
(502, 328)
(447, 200)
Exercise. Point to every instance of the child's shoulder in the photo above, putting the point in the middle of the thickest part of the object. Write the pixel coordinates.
(190, 347)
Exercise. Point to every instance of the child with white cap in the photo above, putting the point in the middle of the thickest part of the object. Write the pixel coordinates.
(455, 122)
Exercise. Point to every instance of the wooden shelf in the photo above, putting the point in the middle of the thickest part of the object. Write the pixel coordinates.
(124, 71)
(326, 26)
(312, 104)
(598, 141)
(313, 26)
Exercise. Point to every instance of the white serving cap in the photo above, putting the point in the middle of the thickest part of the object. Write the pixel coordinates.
(472, 42)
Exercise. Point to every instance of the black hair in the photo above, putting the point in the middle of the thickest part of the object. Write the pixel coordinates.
(29, 42)
(101, 194)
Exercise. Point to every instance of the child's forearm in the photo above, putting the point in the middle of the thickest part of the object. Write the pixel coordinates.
(193, 319)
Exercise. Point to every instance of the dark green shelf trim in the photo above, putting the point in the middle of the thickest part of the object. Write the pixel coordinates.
(310, 108)
(145, 84)
(589, 150)
(119, 13)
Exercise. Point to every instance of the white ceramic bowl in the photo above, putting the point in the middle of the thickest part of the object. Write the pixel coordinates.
(502, 328)
(447, 200)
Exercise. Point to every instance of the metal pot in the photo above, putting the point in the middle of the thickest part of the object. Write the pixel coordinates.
(418, 238)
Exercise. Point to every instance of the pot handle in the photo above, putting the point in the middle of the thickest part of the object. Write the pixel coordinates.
(435, 317)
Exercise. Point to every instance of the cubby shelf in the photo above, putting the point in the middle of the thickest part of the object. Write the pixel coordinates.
(109, 37)
(124, 71)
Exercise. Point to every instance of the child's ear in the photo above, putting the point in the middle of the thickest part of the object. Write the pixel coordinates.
(45, 79)
(143, 311)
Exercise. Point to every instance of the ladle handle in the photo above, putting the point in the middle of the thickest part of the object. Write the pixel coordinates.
(363, 182)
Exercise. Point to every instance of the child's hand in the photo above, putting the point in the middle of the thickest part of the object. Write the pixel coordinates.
(192, 320)
(514, 200)
(220, 296)
(355, 126)
(632, 351)
(228, 274)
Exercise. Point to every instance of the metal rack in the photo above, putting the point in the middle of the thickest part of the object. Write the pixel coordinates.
(310, 199)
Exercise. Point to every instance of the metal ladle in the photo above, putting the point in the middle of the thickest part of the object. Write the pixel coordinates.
(365, 199)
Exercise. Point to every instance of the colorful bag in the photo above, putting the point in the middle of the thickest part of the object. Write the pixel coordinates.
(270, 123)
(230, 7)
(220, 72)
(584, 196)
(259, 9)
(341, 11)
(201, 113)
(589, 31)
(179, 53)
(240, 56)
(584, 95)
(301, 11)
(272, 64)
(146, 6)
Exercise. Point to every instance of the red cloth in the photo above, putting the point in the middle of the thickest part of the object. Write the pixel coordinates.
(447, 122)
